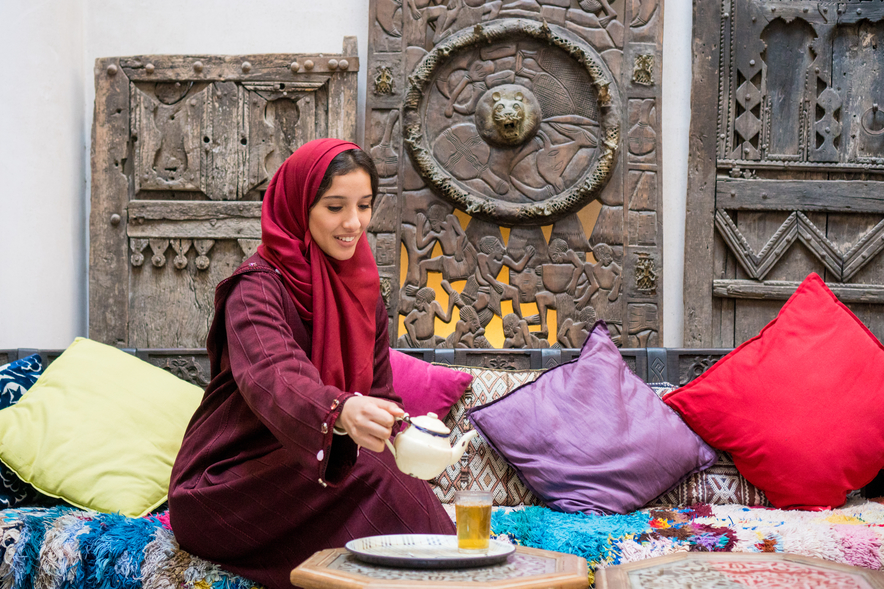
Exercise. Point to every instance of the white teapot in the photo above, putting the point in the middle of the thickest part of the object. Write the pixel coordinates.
(422, 450)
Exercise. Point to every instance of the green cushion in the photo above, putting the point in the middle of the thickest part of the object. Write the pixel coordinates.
(100, 429)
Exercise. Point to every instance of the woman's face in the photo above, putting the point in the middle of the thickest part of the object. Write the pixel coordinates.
(339, 217)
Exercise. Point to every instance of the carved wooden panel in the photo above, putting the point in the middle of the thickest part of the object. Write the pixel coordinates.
(787, 158)
(518, 144)
(183, 148)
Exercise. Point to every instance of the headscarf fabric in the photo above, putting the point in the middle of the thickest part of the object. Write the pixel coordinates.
(339, 298)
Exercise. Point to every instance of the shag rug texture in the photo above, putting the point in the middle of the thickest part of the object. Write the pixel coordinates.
(65, 548)
(852, 534)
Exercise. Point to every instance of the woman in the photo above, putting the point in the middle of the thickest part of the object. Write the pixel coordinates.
(270, 468)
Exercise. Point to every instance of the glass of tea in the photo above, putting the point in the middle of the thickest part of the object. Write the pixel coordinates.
(473, 512)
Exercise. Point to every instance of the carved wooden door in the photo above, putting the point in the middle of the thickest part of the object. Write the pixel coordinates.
(182, 150)
(518, 145)
(786, 162)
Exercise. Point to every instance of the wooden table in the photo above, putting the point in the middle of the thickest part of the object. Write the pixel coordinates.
(527, 568)
(701, 570)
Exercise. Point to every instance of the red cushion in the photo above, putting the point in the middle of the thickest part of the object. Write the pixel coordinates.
(800, 406)
(426, 387)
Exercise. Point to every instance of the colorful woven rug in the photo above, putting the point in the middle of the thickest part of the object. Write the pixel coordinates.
(61, 548)
(853, 534)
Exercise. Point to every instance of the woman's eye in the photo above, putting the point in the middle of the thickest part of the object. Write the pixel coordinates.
(365, 207)
(335, 209)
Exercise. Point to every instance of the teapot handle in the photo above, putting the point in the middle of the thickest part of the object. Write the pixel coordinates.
(390, 446)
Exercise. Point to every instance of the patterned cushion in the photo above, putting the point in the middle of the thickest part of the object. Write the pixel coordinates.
(481, 468)
(16, 378)
(720, 484)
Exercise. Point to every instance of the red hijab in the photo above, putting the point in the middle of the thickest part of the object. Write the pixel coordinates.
(339, 298)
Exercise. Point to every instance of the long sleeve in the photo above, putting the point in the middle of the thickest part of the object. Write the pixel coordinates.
(280, 385)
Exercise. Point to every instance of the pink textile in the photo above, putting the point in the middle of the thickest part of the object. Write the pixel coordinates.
(426, 387)
(860, 546)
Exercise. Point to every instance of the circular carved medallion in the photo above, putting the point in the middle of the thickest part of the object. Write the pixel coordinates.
(513, 121)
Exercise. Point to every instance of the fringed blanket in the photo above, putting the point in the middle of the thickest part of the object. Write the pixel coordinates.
(853, 534)
(65, 548)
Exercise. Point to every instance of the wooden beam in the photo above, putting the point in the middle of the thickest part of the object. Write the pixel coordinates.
(108, 247)
(700, 203)
(152, 68)
(187, 220)
(834, 196)
(780, 290)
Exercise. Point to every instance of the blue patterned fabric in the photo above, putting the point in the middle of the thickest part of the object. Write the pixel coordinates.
(68, 548)
(15, 379)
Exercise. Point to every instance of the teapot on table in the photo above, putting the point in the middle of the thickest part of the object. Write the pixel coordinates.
(422, 450)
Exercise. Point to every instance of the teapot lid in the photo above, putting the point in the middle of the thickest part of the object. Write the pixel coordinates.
(430, 423)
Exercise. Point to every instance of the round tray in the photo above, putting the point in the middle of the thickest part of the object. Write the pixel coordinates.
(424, 551)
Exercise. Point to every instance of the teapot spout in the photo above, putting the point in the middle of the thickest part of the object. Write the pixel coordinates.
(458, 449)
(392, 449)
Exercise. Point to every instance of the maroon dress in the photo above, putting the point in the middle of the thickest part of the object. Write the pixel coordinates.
(261, 481)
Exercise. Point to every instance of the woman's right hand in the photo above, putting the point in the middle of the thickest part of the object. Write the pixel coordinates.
(369, 420)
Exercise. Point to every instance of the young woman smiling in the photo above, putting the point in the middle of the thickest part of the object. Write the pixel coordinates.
(270, 469)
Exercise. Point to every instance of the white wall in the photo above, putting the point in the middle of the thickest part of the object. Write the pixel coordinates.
(43, 160)
(46, 118)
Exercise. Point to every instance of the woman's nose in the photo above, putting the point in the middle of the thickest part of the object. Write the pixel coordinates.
(351, 220)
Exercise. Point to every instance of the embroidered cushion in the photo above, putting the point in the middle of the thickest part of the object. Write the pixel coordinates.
(100, 429)
(591, 436)
(800, 405)
(16, 378)
(720, 484)
(426, 387)
(481, 468)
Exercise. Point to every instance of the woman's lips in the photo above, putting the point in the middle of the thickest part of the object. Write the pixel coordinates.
(346, 240)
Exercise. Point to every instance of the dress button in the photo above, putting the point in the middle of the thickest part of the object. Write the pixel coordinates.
(335, 404)
(324, 428)
(320, 455)
(322, 482)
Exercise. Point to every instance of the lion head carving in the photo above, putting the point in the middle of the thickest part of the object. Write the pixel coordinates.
(508, 115)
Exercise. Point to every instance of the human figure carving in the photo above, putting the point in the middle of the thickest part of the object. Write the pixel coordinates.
(453, 15)
(421, 321)
(573, 334)
(516, 334)
(458, 259)
(603, 289)
(604, 280)
(468, 331)
(560, 277)
(491, 260)
(417, 246)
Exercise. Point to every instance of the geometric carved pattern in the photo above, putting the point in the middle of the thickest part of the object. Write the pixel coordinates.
(798, 227)
(748, 123)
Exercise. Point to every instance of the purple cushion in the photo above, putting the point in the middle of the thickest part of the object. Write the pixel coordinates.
(426, 387)
(591, 436)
